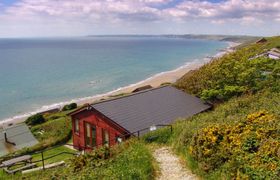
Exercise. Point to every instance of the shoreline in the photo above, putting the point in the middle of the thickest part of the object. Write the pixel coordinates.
(155, 81)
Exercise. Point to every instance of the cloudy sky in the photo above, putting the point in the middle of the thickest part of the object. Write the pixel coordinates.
(33, 18)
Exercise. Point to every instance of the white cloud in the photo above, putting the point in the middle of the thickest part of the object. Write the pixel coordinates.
(228, 10)
(93, 14)
(143, 10)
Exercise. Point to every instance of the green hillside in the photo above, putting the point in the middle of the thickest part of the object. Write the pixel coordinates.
(240, 137)
(234, 74)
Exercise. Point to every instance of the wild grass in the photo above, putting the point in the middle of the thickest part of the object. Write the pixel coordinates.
(229, 113)
(56, 130)
(52, 152)
(130, 160)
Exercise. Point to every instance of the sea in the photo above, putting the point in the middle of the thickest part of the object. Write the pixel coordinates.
(37, 74)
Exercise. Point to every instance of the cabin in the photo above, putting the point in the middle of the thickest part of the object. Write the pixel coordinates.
(109, 122)
(261, 41)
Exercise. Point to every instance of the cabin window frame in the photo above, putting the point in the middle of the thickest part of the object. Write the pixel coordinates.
(77, 126)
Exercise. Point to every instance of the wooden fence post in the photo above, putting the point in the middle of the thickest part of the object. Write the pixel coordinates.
(43, 160)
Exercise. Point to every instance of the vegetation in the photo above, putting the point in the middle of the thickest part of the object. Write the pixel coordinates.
(248, 149)
(56, 129)
(68, 107)
(52, 132)
(35, 119)
(130, 160)
(54, 151)
(230, 115)
(239, 139)
(234, 74)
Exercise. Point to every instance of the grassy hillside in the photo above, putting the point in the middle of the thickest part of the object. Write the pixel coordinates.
(56, 129)
(217, 144)
(233, 74)
(131, 160)
(240, 138)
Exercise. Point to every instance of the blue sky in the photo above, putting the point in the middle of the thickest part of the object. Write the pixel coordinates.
(41, 18)
(8, 2)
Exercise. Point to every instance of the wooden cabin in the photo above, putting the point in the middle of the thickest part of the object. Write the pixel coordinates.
(261, 41)
(111, 121)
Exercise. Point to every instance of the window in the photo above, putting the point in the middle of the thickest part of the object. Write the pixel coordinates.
(105, 137)
(93, 133)
(90, 135)
(76, 126)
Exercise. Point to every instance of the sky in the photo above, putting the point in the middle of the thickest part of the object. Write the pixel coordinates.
(52, 18)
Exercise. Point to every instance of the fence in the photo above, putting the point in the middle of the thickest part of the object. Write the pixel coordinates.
(84, 149)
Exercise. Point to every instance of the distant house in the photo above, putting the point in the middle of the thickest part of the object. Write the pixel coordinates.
(108, 122)
(261, 41)
(142, 88)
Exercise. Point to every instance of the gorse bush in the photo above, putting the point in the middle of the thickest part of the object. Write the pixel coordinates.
(249, 149)
(35, 119)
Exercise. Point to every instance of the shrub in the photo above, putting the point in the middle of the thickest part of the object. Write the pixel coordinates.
(53, 132)
(35, 119)
(233, 75)
(247, 149)
(69, 107)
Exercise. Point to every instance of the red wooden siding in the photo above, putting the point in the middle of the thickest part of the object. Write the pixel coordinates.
(100, 122)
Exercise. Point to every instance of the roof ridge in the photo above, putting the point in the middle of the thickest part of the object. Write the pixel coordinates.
(132, 94)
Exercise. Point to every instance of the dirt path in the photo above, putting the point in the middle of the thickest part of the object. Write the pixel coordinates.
(170, 166)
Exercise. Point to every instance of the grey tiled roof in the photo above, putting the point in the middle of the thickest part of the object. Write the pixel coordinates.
(18, 134)
(151, 107)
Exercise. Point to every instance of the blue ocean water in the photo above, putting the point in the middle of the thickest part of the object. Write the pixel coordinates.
(38, 72)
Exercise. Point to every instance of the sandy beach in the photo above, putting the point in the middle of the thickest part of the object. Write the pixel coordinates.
(154, 81)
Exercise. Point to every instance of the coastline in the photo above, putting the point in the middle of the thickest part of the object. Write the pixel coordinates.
(155, 81)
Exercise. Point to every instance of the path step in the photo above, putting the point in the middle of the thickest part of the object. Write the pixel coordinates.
(170, 166)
